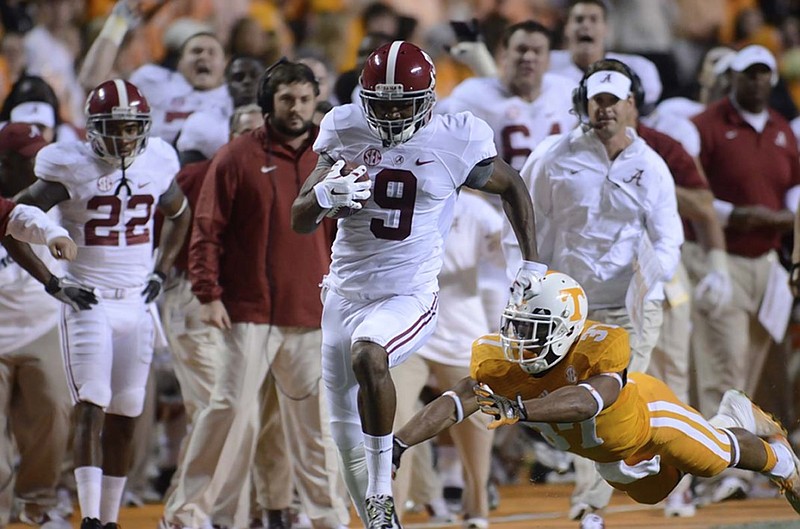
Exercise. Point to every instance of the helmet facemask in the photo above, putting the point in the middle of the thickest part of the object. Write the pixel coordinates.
(538, 332)
(118, 137)
(413, 108)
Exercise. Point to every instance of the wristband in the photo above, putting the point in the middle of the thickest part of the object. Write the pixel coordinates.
(597, 397)
(718, 259)
(459, 406)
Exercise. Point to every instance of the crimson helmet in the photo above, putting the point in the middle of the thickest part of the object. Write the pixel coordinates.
(537, 333)
(110, 107)
(397, 78)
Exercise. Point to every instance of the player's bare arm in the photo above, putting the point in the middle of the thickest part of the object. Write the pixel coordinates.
(448, 409)
(507, 183)
(177, 218)
(571, 404)
(43, 194)
(306, 211)
(576, 403)
(697, 205)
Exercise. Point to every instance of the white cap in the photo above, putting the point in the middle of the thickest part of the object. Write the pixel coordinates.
(755, 54)
(608, 82)
(204, 132)
(36, 112)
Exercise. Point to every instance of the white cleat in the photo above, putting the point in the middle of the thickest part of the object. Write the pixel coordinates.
(592, 521)
(738, 407)
(680, 504)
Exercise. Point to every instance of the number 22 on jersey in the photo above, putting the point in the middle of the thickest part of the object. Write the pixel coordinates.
(121, 219)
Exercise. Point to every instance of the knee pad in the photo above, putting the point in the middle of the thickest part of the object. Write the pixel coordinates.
(128, 403)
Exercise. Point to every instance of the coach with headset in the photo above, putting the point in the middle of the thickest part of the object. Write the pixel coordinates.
(598, 191)
(257, 281)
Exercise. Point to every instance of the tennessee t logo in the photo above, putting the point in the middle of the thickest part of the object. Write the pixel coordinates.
(637, 177)
(575, 293)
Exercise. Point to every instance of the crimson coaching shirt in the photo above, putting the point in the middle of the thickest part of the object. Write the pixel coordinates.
(746, 168)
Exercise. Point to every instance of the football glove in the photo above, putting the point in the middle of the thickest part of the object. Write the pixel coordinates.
(504, 410)
(77, 296)
(398, 447)
(476, 56)
(527, 282)
(336, 191)
(155, 282)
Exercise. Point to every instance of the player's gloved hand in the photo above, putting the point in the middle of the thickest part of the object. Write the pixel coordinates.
(504, 410)
(155, 283)
(715, 290)
(398, 447)
(77, 296)
(476, 56)
(336, 191)
(528, 281)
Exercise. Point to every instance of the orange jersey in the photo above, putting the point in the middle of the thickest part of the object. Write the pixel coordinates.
(616, 433)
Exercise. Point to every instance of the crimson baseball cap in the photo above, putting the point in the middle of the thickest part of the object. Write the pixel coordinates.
(24, 139)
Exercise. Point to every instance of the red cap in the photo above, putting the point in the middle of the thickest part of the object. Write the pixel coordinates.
(24, 139)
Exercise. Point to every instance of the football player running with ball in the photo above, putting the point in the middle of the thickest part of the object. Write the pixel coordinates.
(380, 297)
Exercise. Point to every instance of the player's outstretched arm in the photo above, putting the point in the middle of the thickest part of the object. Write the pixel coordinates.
(306, 211)
(577, 403)
(30, 224)
(450, 408)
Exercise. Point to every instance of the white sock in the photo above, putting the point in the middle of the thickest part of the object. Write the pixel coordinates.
(379, 464)
(353, 465)
(88, 481)
(785, 465)
(450, 468)
(113, 488)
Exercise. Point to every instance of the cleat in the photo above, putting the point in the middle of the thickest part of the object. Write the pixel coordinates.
(737, 406)
(730, 488)
(592, 521)
(111, 525)
(790, 486)
(279, 519)
(91, 523)
(381, 513)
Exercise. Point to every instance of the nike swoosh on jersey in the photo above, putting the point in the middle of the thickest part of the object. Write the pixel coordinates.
(426, 162)
(268, 169)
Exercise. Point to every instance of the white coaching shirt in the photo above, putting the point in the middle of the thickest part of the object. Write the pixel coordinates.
(111, 224)
(518, 125)
(393, 246)
(591, 213)
(172, 99)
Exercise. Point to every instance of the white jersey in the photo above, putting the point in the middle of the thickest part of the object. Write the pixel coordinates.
(111, 222)
(172, 99)
(518, 125)
(591, 213)
(474, 235)
(393, 246)
(561, 64)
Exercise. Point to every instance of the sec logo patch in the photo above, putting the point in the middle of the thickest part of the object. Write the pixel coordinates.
(104, 183)
(372, 157)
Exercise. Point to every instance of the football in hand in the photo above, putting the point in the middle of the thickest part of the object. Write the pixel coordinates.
(343, 212)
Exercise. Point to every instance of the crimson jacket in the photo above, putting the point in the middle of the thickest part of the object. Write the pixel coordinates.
(243, 249)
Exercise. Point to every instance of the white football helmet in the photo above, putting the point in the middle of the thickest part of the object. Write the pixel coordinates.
(538, 333)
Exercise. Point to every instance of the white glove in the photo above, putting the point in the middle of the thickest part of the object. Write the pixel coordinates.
(336, 191)
(127, 9)
(527, 283)
(476, 55)
(715, 290)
